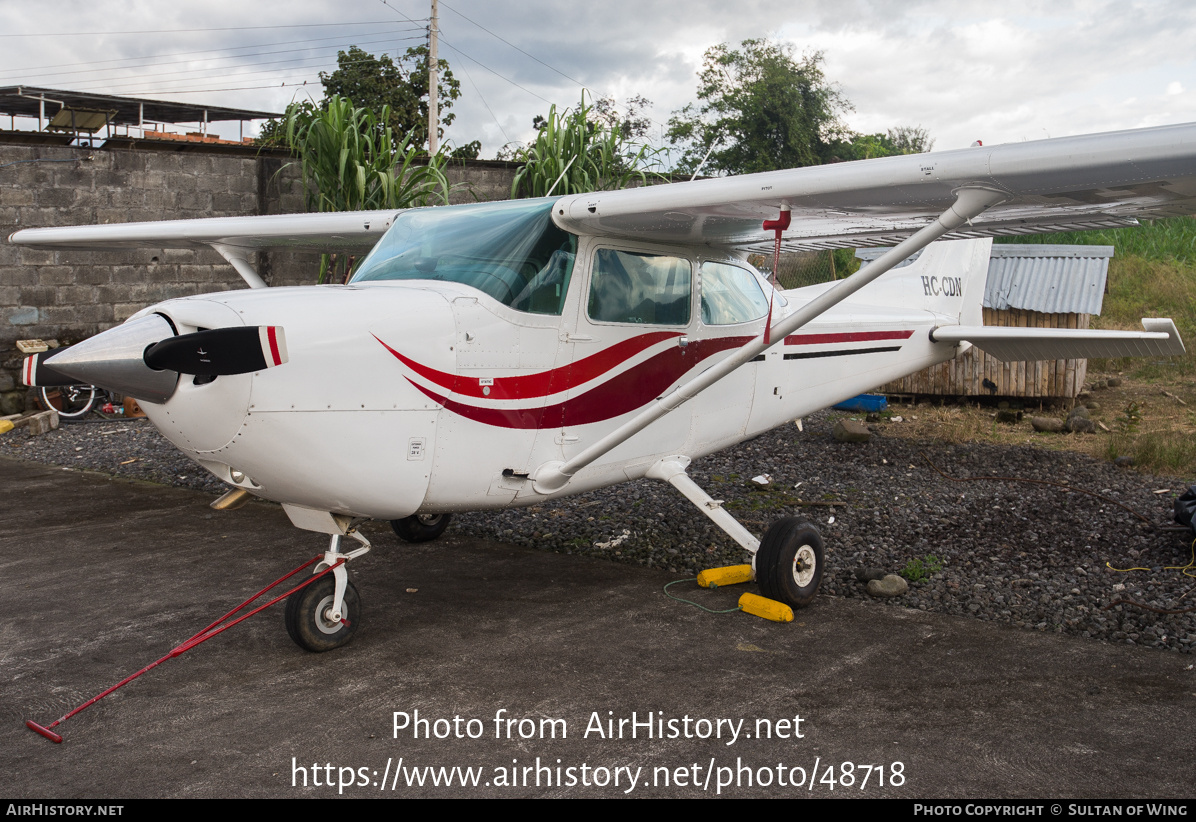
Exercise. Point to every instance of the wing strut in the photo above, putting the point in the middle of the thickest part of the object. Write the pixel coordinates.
(238, 258)
(970, 202)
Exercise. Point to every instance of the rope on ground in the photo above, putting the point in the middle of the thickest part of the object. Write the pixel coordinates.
(691, 602)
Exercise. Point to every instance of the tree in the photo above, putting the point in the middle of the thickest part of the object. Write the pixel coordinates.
(375, 82)
(900, 140)
(763, 109)
(760, 109)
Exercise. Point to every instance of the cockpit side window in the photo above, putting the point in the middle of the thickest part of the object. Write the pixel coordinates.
(646, 289)
(730, 295)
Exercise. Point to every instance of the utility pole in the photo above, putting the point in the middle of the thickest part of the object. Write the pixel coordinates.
(433, 83)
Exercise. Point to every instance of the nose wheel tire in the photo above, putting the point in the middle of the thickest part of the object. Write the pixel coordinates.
(789, 562)
(421, 527)
(308, 616)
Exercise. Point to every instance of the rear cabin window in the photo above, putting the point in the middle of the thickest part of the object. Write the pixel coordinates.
(646, 289)
(730, 295)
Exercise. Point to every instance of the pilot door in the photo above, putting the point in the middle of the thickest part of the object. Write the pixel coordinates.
(624, 342)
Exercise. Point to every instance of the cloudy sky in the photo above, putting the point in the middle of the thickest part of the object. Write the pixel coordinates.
(1018, 70)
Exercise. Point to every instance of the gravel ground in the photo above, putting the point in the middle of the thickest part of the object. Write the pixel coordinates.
(1032, 555)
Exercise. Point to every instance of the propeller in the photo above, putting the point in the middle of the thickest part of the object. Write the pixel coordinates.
(220, 351)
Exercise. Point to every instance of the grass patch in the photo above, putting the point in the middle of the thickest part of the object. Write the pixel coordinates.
(917, 570)
(1168, 452)
(1173, 238)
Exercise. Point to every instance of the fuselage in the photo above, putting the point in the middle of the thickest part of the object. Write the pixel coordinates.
(478, 344)
(432, 396)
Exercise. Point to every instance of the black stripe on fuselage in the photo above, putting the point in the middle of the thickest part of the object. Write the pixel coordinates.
(810, 355)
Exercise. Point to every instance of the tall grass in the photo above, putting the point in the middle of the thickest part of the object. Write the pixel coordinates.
(351, 160)
(574, 153)
(1173, 238)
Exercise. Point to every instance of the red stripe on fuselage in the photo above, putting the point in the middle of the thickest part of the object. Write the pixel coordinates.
(619, 395)
(541, 384)
(846, 337)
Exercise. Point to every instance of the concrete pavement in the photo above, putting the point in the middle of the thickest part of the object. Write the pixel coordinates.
(102, 576)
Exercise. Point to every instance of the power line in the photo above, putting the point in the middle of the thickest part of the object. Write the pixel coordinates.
(214, 72)
(463, 54)
(389, 38)
(91, 64)
(512, 45)
(190, 30)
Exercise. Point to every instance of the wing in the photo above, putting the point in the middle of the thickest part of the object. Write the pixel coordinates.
(350, 231)
(1065, 184)
(234, 238)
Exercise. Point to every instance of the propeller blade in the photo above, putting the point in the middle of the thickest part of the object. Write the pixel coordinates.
(35, 373)
(220, 351)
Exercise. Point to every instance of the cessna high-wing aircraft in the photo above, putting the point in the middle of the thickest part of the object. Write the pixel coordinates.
(501, 354)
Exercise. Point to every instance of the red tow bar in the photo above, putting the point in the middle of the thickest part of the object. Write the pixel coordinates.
(207, 633)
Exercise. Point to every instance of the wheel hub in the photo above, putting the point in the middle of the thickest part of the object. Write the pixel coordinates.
(325, 617)
(804, 566)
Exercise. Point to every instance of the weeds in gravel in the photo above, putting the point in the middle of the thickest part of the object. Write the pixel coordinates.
(917, 570)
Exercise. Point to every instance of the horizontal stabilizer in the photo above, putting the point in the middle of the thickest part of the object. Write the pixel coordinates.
(1159, 339)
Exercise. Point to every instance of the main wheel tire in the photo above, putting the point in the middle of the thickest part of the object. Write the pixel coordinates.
(306, 621)
(72, 402)
(420, 527)
(789, 562)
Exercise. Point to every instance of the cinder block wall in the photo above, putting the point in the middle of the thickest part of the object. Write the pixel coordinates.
(70, 295)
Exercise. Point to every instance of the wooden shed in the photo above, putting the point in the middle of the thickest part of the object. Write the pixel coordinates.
(1046, 286)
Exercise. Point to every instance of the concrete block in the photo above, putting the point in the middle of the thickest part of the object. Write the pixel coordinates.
(38, 294)
(55, 275)
(181, 182)
(43, 423)
(75, 295)
(14, 196)
(55, 197)
(194, 201)
(23, 315)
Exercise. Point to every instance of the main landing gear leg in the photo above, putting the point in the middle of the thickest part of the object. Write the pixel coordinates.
(327, 613)
(787, 563)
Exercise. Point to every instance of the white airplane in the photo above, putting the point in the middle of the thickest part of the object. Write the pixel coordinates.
(501, 354)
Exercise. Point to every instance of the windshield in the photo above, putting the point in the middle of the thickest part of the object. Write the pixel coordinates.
(510, 250)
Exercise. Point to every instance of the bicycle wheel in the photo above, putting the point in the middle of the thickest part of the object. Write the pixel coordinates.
(72, 402)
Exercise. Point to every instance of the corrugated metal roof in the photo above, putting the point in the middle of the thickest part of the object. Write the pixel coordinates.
(1053, 279)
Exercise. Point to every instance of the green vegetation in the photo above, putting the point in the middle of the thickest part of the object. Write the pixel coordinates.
(351, 160)
(761, 108)
(917, 570)
(1173, 238)
(374, 83)
(579, 150)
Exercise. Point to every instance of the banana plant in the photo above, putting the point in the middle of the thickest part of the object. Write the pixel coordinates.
(352, 161)
(575, 152)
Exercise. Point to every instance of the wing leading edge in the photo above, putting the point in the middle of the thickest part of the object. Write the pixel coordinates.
(1071, 183)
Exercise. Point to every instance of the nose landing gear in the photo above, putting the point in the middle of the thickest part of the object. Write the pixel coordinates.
(326, 614)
